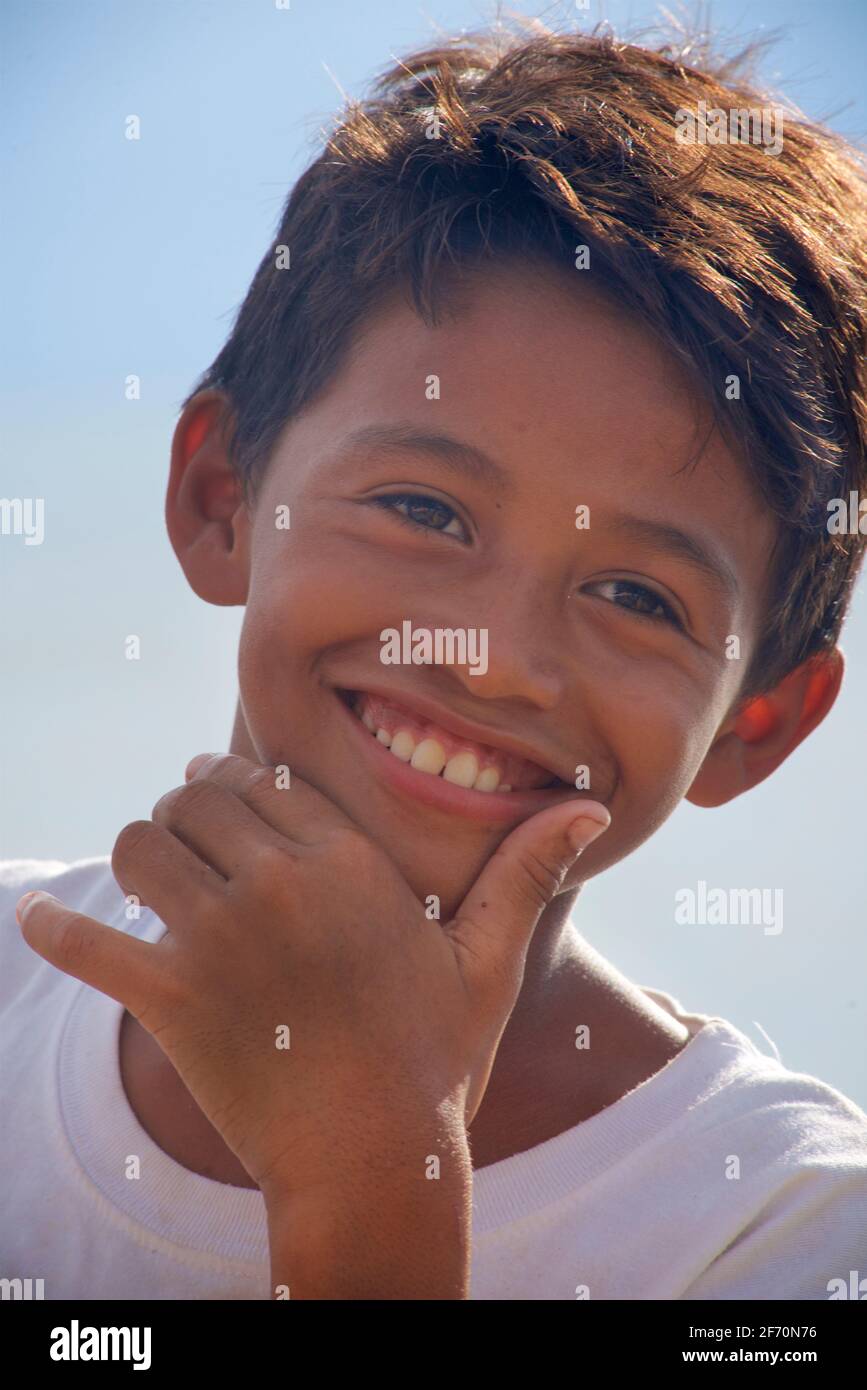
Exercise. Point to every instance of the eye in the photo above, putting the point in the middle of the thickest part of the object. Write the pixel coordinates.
(639, 599)
(422, 512)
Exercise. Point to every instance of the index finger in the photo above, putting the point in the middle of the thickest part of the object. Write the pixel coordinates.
(285, 802)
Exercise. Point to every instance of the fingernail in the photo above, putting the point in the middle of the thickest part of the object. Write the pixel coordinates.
(195, 763)
(26, 903)
(584, 830)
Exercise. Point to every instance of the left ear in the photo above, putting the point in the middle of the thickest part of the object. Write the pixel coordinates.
(206, 516)
(764, 731)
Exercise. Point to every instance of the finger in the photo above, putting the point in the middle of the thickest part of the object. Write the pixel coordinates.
(164, 874)
(493, 926)
(218, 826)
(297, 811)
(118, 965)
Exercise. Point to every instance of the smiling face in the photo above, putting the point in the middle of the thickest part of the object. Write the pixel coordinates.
(606, 642)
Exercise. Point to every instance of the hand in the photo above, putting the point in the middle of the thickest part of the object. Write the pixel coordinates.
(282, 914)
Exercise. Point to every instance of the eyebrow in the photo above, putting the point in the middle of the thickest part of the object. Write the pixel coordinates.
(453, 454)
(469, 461)
(666, 539)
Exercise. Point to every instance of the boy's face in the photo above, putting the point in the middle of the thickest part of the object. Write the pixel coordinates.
(606, 643)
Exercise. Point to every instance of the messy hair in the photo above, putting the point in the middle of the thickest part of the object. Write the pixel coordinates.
(744, 263)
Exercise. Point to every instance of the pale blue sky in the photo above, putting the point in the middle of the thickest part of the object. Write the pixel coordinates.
(121, 257)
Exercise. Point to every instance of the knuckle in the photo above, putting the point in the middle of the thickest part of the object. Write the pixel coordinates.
(351, 844)
(184, 801)
(272, 857)
(540, 880)
(162, 809)
(224, 769)
(130, 840)
(72, 942)
(259, 779)
(497, 974)
(161, 1004)
(266, 870)
(194, 796)
(228, 762)
(211, 914)
(219, 767)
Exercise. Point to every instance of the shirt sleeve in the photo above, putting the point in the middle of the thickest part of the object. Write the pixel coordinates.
(810, 1242)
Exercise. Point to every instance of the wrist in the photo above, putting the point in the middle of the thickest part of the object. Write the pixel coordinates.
(389, 1218)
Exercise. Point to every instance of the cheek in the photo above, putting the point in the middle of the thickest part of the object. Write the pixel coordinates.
(297, 606)
(660, 717)
(308, 598)
(659, 731)
(314, 590)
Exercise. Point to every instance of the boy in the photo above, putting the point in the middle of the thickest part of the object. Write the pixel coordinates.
(520, 457)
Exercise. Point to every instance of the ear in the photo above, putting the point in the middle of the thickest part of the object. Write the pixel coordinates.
(207, 519)
(763, 732)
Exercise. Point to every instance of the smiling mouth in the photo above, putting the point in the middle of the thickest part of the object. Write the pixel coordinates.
(430, 748)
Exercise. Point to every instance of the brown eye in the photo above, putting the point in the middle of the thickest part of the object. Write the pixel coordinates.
(639, 599)
(423, 512)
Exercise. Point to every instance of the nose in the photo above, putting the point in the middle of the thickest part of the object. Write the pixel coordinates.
(525, 660)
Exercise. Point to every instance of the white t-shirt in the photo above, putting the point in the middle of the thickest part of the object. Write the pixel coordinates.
(638, 1202)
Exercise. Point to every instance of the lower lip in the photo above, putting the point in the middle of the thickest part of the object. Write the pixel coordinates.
(492, 808)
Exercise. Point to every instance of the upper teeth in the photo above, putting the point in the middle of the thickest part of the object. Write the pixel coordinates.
(428, 755)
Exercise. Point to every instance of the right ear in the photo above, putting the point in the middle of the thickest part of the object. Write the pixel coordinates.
(207, 517)
(762, 733)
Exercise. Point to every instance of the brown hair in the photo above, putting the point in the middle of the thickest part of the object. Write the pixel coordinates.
(743, 262)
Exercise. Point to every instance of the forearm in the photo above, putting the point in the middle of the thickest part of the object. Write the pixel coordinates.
(384, 1227)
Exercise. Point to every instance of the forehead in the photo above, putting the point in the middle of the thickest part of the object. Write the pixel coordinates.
(573, 396)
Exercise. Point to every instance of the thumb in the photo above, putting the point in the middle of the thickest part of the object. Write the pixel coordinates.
(492, 928)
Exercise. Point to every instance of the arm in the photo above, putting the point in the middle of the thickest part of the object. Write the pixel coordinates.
(339, 1040)
(395, 1226)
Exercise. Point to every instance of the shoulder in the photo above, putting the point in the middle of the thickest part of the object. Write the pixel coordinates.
(785, 1155)
(86, 885)
(722, 1084)
(770, 1125)
(781, 1111)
